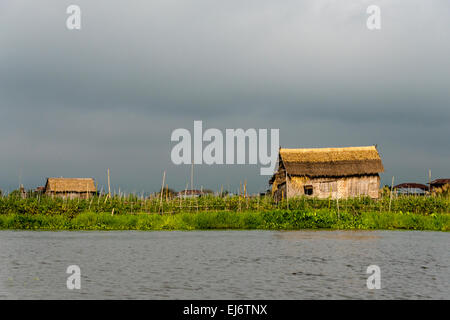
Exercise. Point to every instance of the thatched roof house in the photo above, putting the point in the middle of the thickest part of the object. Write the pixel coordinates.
(325, 172)
(411, 188)
(70, 187)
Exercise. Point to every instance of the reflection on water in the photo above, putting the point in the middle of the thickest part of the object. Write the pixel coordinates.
(224, 264)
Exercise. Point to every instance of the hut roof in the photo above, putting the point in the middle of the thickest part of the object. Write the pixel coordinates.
(190, 192)
(70, 185)
(411, 185)
(331, 161)
(440, 181)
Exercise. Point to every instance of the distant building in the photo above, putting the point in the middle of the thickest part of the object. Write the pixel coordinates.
(40, 190)
(327, 172)
(439, 183)
(411, 188)
(70, 187)
(190, 193)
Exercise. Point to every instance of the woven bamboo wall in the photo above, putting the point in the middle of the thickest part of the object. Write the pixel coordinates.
(323, 188)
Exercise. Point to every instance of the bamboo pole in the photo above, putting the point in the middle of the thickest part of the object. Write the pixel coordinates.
(287, 191)
(161, 195)
(192, 177)
(429, 181)
(390, 197)
(240, 192)
(329, 199)
(196, 202)
(109, 185)
(179, 196)
(247, 197)
(337, 205)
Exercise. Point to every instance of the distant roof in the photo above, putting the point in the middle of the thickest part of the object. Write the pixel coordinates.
(191, 192)
(70, 185)
(440, 181)
(332, 161)
(411, 185)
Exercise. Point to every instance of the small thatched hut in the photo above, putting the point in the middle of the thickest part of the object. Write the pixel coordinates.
(327, 172)
(70, 187)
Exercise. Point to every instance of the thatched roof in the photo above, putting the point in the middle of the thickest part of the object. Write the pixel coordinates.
(440, 182)
(70, 185)
(411, 185)
(331, 161)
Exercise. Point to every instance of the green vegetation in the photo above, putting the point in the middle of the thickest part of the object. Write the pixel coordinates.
(424, 205)
(275, 220)
(134, 213)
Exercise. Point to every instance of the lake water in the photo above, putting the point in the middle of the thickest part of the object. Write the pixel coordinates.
(225, 264)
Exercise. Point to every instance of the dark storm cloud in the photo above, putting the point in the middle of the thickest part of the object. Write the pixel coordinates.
(76, 102)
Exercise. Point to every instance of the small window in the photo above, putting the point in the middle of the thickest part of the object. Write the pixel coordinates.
(308, 190)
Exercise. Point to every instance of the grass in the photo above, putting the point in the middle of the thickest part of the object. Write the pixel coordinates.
(212, 212)
(219, 220)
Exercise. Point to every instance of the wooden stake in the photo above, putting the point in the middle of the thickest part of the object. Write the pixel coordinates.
(287, 191)
(109, 185)
(179, 196)
(337, 205)
(429, 181)
(162, 189)
(192, 177)
(390, 198)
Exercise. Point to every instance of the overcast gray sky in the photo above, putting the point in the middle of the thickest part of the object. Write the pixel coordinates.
(73, 103)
